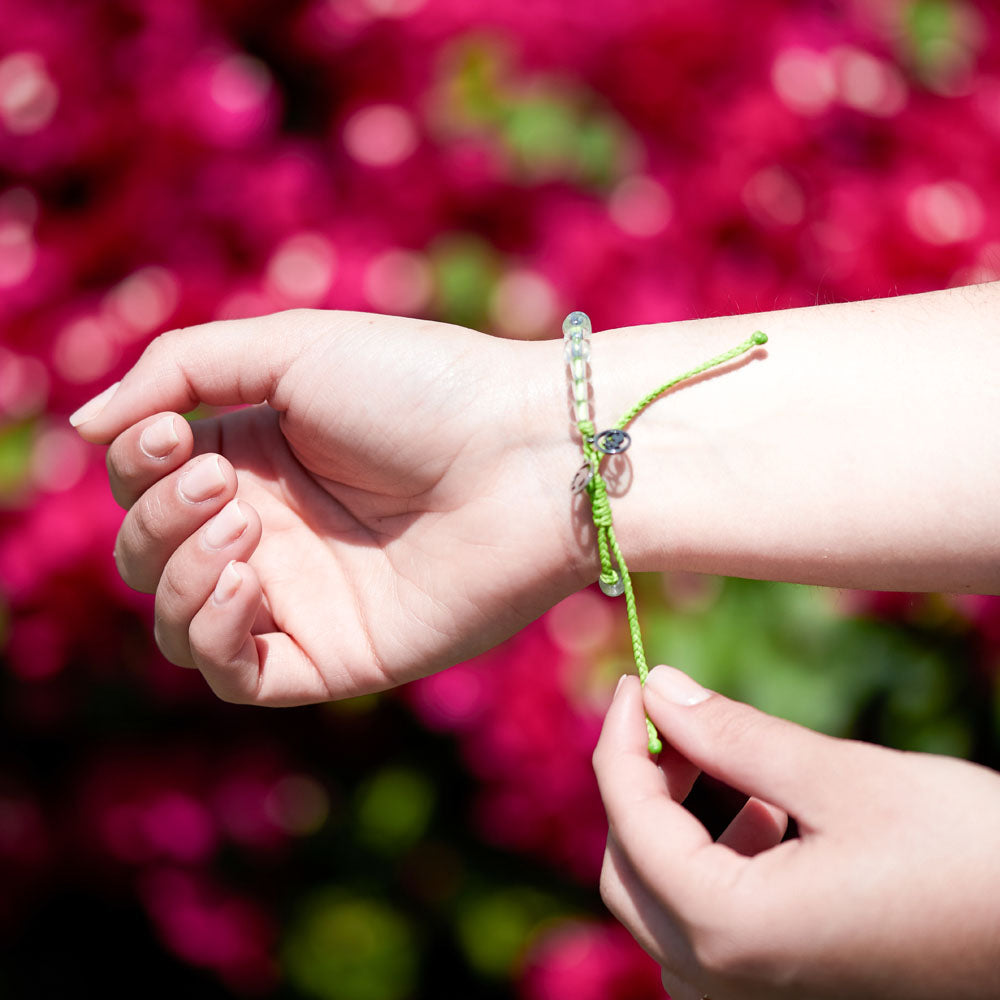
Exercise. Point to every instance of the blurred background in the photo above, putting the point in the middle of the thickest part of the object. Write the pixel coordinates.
(167, 162)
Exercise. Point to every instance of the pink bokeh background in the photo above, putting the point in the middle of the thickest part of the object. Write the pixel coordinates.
(170, 162)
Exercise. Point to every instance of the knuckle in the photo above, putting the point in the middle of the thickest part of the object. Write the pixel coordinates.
(729, 947)
(234, 695)
(162, 355)
(231, 690)
(130, 568)
(158, 349)
(164, 640)
(734, 728)
(163, 345)
(121, 474)
(159, 638)
(600, 758)
(743, 727)
(607, 881)
(173, 647)
(121, 563)
(147, 519)
(173, 592)
(226, 685)
(716, 952)
(609, 886)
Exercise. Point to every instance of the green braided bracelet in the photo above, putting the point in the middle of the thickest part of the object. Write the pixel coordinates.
(614, 579)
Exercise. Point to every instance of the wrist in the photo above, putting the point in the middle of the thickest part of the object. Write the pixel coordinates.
(658, 489)
(852, 451)
(550, 443)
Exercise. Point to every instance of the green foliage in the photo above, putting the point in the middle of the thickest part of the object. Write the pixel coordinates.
(495, 927)
(16, 440)
(466, 270)
(548, 139)
(393, 809)
(937, 40)
(547, 128)
(930, 21)
(790, 651)
(344, 947)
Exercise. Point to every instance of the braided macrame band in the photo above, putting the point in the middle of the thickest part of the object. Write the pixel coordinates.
(614, 578)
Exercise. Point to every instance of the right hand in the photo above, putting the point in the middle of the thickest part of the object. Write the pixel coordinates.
(404, 491)
(889, 891)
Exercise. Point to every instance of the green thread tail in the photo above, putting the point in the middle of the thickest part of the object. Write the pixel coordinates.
(607, 543)
(755, 340)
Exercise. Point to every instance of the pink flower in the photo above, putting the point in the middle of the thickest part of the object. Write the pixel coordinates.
(207, 925)
(525, 732)
(589, 961)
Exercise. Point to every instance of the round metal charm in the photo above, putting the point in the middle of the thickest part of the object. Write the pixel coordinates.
(613, 441)
(582, 478)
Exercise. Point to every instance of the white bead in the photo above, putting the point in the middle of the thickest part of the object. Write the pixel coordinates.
(582, 408)
(578, 369)
(581, 391)
(577, 324)
(576, 349)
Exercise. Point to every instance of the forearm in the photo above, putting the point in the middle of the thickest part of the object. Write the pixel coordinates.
(860, 448)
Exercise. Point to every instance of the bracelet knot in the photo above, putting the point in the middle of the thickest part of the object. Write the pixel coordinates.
(614, 576)
(599, 501)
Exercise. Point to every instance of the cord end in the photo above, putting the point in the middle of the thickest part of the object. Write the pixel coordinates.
(655, 744)
(759, 337)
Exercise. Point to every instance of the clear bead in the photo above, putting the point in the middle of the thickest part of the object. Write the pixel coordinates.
(577, 324)
(582, 409)
(581, 391)
(577, 349)
(615, 589)
(578, 369)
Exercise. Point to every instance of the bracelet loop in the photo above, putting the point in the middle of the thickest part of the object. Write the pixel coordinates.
(614, 579)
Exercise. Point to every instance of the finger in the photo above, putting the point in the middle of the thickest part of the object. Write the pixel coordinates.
(193, 571)
(755, 828)
(645, 918)
(246, 668)
(679, 774)
(664, 843)
(775, 760)
(222, 645)
(145, 453)
(677, 988)
(166, 514)
(222, 364)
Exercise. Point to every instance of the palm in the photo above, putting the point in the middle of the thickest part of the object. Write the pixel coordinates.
(388, 547)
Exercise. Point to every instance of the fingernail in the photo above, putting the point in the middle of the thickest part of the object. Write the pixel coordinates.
(226, 526)
(618, 686)
(675, 686)
(159, 440)
(92, 407)
(202, 481)
(229, 583)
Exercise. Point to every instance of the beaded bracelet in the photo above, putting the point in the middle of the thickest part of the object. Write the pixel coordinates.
(614, 579)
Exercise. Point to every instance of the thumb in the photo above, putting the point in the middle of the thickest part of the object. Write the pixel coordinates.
(780, 762)
(225, 363)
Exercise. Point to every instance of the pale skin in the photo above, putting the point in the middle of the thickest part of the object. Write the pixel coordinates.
(395, 499)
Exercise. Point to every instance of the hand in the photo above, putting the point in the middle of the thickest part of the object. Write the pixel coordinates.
(397, 507)
(890, 891)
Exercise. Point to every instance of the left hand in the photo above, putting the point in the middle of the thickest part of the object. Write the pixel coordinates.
(890, 891)
(395, 502)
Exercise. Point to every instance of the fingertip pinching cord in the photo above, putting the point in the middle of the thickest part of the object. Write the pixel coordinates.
(614, 579)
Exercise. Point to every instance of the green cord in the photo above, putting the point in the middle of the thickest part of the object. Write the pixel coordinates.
(757, 339)
(607, 543)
